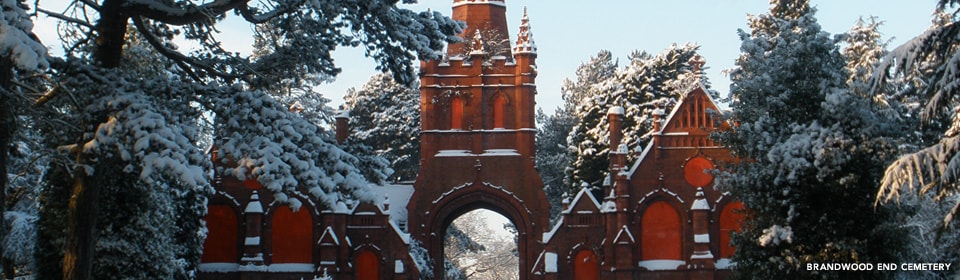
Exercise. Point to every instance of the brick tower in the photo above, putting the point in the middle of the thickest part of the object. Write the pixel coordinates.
(478, 131)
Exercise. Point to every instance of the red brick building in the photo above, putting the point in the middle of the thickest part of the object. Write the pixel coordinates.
(662, 218)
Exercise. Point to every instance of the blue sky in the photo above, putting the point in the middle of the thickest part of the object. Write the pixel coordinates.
(569, 32)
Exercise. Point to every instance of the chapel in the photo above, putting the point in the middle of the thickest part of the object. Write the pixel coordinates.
(661, 217)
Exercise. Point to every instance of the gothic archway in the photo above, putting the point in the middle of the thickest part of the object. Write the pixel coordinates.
(367, 265)
(461, 200)
(586, 265)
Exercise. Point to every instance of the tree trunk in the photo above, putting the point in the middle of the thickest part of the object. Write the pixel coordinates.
(82, 213)
(81, 224)
(111, 29)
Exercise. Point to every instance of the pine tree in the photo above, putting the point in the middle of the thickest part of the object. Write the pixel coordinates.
(385, 117)
(598, 69)
(931, 62)
(553, 158)
(813, 151)
(646, 84)
(144, 129)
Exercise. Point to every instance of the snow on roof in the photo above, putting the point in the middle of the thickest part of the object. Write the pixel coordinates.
(576, 200)
(343, 114)
(473, 2)
(700, 203)
(624, 229)
(640, 159)
(405, 237)
(398, 195)
(669, 118)
(687, 94)
(328, 232)
(254, 206)
(549, 235)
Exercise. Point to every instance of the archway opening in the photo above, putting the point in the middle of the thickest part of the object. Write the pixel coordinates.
(481, 244)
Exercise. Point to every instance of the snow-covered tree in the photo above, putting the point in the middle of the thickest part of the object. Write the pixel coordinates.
(385, 117)
(27, 159)
(590, 73)
(926, 240)
(21, 54)
(932, 59)
(477, 251)
(863, 50)
(490, 42)
(145, 127)
(813, 154)
(649, 82)
(553, 158)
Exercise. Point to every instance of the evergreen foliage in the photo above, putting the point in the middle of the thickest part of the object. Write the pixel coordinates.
(813, 152)
(385, 119)
(553, 157)
(648, 83)
(131, 184)
(931, 61)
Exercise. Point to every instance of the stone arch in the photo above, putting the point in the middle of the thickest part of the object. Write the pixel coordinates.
(466, 198)
(290, 233)
(661, 229)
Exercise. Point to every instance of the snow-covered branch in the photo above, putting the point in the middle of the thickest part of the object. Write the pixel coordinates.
(179, 15)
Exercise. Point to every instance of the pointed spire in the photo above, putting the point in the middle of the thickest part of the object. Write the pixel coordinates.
(525, 42)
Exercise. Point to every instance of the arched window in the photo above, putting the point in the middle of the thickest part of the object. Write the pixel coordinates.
(499, 103)
(222, 244)
(660, 237)
(730, 220)
(456, 113)
(586, 265)
(367, 266)
(292, 236)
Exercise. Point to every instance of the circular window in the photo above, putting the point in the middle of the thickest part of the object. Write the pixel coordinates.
(695, 171)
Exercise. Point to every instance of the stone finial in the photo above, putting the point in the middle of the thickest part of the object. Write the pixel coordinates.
(697, 62)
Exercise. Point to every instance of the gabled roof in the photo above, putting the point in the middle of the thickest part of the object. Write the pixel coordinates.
(697, 91)
(688, 103)
(624, 236)
(590, 203)
(329, 237)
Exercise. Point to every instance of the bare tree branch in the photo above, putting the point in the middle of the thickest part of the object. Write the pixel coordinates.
(65, 18)
(178, 57)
